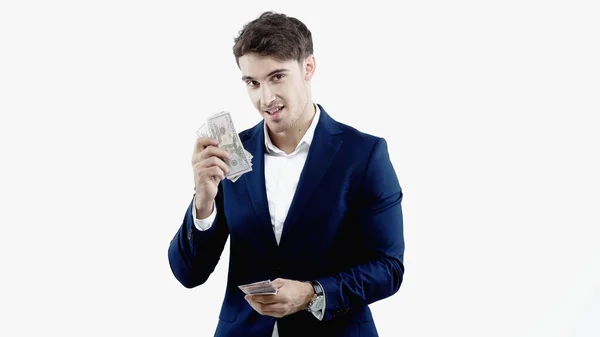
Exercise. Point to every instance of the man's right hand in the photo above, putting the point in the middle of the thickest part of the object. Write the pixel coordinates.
(209, 164)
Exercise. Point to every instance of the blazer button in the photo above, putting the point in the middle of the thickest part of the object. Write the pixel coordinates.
(189, 234)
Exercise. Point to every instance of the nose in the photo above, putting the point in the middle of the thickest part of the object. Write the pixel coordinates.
(266, 95)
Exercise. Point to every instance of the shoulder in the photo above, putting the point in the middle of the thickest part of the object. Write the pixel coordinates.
(353, 134)
(357, 139)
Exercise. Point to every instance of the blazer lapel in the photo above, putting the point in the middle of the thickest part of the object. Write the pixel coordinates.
(323, 148)
(256, 185)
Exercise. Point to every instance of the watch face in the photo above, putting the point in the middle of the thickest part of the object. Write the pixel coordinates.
(317, 304)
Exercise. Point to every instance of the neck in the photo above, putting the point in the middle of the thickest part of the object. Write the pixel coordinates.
(288, 141)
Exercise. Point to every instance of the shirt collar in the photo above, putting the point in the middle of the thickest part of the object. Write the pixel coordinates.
(306, 139)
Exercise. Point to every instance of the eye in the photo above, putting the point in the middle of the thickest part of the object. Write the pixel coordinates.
(278, 77)
(251, 83)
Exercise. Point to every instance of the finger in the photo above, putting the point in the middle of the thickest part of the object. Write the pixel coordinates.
(275, 310)
(254, 306)
(200, 145)
(278, 282)
(264, 299)
(213, 161)
(258, 307)
(214, 151)
(203, 142)
(211, 151)
(215, 172)
(212, 173)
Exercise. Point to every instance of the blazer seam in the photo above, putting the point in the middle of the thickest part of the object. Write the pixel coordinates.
(367, 166)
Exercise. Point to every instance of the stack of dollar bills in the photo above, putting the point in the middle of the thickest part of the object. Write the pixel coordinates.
(220, 126)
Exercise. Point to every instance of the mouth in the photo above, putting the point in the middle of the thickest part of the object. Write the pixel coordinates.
(274, 112)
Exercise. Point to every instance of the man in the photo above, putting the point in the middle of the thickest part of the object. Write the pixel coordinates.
(319, 214)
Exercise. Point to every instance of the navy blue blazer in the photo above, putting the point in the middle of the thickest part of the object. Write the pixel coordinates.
(343, 229)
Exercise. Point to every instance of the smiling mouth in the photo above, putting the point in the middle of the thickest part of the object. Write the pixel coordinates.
(272, 112)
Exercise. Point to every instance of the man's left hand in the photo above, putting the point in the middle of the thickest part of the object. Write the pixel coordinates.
(292, 296)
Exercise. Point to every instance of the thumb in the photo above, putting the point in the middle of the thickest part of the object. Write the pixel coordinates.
(278, 283)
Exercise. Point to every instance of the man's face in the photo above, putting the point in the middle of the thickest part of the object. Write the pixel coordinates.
(278, 89)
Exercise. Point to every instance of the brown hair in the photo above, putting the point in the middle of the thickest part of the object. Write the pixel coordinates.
(274, 34)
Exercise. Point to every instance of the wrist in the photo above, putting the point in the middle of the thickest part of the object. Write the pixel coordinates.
(317, 304)
(203, 209)
(309, 292)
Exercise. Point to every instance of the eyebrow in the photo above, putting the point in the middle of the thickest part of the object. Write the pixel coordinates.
(276, 71)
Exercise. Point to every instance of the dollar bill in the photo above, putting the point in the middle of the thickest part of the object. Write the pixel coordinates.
(220, 126)
(235, 178)
(203, 131)
(259, 288)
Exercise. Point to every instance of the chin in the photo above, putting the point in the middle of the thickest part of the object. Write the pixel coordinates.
(276, 127)
(273, 127)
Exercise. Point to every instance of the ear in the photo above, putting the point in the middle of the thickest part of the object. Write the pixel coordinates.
(309, 65)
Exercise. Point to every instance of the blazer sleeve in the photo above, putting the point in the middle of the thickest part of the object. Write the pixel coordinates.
(194, 254)
(380, 226)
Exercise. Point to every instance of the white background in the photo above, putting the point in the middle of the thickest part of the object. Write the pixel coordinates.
(489, 109)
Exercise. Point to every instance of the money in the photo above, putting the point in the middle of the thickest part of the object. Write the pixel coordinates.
(235, 177)
(259, 288)
(220, 126)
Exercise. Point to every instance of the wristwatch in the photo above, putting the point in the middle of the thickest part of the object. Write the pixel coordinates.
(317, 303)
